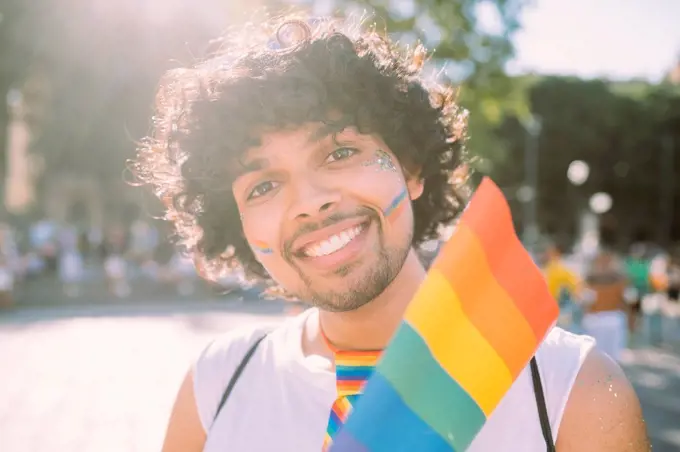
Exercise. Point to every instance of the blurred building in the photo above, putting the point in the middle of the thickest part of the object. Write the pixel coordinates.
(43, 178)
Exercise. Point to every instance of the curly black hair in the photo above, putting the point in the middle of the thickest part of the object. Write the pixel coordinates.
(280, 74)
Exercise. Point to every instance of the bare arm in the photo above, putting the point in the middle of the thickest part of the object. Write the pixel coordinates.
(185, 432)
(603, 413)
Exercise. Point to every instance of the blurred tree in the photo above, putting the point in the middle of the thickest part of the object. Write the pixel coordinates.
(629, 134)
(472, 42)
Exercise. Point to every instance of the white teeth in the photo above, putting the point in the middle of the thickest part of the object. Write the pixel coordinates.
(333, 243)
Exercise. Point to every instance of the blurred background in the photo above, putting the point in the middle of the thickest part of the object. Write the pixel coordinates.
(574, 111)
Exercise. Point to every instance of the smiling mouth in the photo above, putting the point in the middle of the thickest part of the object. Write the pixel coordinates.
(334, 243)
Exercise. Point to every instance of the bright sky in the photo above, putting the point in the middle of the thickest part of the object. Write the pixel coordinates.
(617, 39)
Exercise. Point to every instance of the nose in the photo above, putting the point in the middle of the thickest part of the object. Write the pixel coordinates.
(311, 200)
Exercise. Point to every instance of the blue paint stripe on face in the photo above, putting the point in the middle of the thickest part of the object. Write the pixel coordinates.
(395, 202)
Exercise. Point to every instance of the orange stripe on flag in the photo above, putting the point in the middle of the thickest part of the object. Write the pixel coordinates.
(490, 219)
(487, 305)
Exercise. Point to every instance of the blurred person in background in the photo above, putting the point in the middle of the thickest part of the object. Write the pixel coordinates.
(71, 265)
(671, 311)
(6, 283)
(637, 268)
(115, 264)
(43, 242)
(180, 271)
(609, 294)
(663, 309)
(144, 239)
(143, 242)
(323, 155)
(564, 285)
(9, 263)
(673, 277)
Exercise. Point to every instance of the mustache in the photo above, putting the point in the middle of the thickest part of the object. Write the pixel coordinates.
(332, 219)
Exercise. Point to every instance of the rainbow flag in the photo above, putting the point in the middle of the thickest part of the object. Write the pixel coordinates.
(471, 328)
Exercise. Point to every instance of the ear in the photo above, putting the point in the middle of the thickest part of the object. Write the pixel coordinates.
(415, 185)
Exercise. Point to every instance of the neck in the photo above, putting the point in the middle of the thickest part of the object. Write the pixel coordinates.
(372, 326)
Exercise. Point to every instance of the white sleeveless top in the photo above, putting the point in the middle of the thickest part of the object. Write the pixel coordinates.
(283, 399)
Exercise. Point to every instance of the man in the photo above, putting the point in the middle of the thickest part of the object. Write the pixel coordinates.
(321, 157)
(606, 312)
(637, 267)
(564, 285)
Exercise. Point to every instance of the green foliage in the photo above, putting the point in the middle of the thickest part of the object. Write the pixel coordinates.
(628, 133)
(474, 56)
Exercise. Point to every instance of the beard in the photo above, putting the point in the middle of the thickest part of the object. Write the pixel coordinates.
(366, 288)
(360, 288)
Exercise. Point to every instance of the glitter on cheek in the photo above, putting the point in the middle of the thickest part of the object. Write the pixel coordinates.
(382, 161)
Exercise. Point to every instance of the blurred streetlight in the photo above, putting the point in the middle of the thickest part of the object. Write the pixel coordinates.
(525, 194)
(578, 172)
(529, 191)
(600, 203)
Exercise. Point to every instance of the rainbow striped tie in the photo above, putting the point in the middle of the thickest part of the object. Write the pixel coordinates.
(352, 370)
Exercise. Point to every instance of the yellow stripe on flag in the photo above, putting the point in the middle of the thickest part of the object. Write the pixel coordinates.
(437, 315)
(485, 302)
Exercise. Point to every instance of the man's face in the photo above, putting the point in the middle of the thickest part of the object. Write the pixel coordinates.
(329, 216)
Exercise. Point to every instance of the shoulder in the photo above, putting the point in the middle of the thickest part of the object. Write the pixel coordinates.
(603, 412)
(230, 346)
(563, 351)
(559, 340)
(560, 358)
(219, 360)
(216, 364)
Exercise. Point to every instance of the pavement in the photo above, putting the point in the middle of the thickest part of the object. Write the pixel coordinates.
(655, 373)
(103, 377)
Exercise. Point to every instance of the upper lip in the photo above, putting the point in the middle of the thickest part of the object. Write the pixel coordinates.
(303, 241)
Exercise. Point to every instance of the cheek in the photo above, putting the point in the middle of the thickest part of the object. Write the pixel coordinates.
(397, 206)
(386, 191)
(260, 232)
(262, 229)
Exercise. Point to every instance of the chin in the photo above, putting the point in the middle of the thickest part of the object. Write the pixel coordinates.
(352, 292)
(340, 305)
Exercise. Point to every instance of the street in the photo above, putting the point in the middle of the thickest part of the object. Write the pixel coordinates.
(99, 379)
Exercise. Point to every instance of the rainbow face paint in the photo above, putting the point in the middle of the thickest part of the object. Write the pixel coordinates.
(261, 247)
(396, 206)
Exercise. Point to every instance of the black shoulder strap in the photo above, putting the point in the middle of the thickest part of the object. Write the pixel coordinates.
(237, 374)
(542, 407)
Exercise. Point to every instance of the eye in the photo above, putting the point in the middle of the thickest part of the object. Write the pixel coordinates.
(262, 189)
(340, 154)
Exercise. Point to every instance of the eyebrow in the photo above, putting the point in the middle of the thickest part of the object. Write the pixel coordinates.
(327, 128)
(247, 166)
(330, 128)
